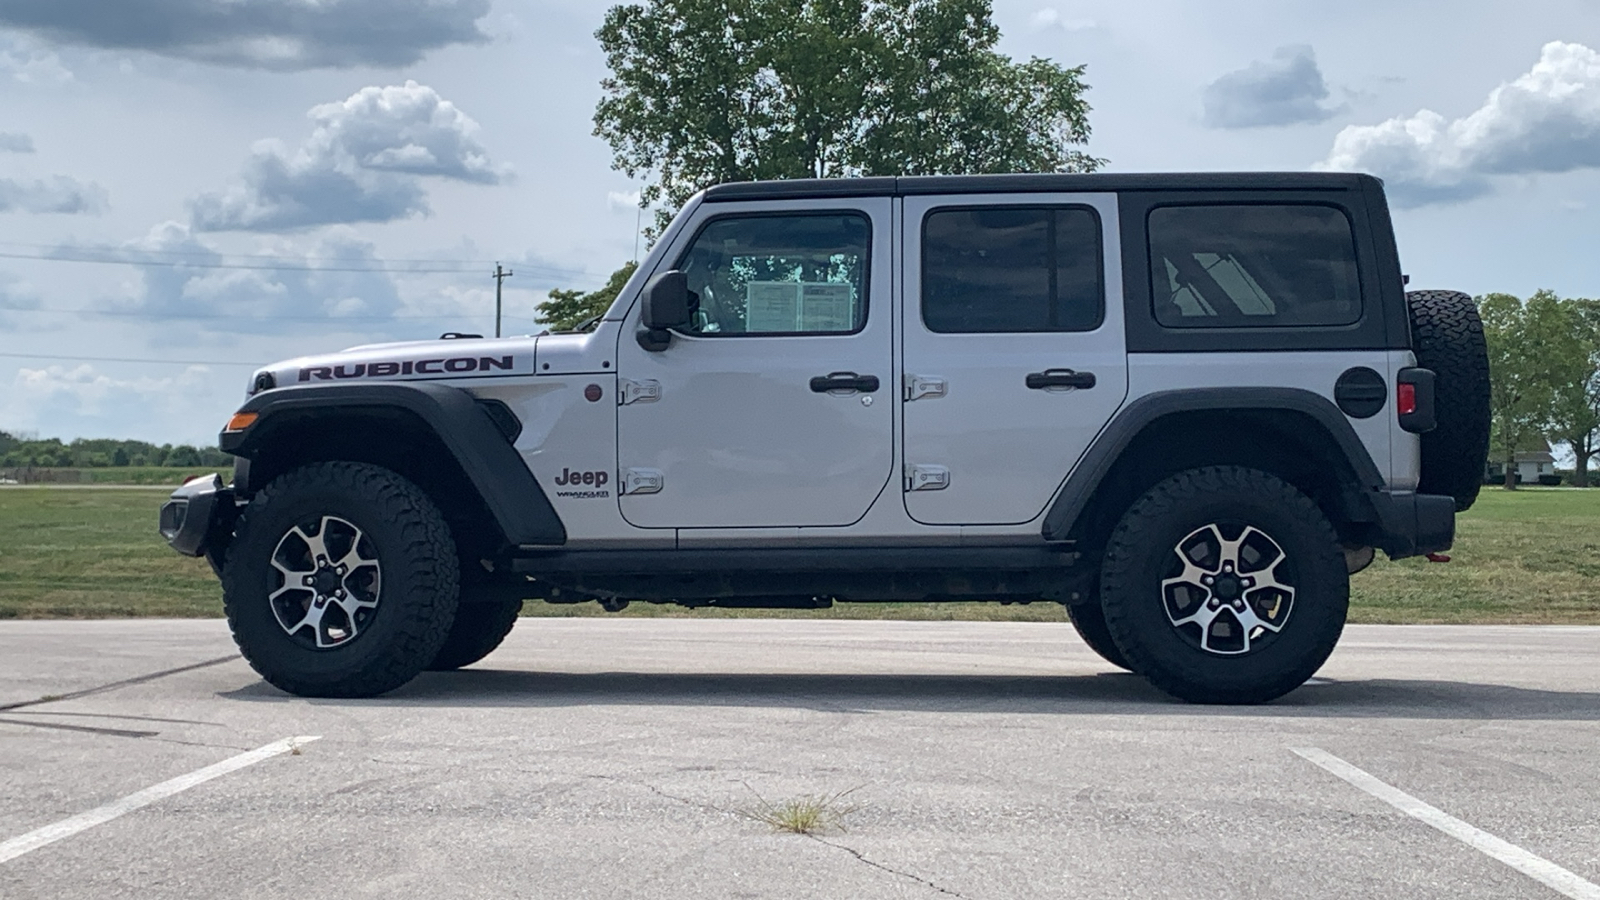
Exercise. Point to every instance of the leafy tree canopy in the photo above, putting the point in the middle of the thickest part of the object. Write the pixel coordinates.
(568, 309)
(1544, 373)
(709, 91)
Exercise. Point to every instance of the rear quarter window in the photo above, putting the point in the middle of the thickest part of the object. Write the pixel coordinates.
(1231, 266)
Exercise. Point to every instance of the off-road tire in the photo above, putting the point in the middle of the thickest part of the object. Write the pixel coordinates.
(478, 629)
(1089, 620)
(1142, 547)
(417, 595)
(1447, 337)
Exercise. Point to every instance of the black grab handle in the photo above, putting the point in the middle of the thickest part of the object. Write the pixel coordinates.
(1050, 378)
(844, 381)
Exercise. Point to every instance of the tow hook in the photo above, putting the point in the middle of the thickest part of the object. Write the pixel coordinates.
(1438, 557)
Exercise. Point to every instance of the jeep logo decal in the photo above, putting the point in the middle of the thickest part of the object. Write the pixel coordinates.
(597, 479)
(451, 366)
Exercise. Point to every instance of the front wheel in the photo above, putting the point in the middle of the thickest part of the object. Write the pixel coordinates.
(480, 626)
(341, 581)
(1225, 585)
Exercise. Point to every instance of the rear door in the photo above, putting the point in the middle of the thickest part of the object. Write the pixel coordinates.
(1014, 353)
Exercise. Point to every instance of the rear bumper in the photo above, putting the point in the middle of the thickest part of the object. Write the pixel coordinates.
(197, 520)
(1412, 524)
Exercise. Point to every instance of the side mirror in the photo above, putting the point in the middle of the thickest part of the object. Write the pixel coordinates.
(665, 307)
(666, 301)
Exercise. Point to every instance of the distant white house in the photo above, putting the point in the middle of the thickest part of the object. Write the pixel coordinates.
(1533, 463)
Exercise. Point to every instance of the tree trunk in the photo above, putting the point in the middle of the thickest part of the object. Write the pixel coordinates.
(1511, 474)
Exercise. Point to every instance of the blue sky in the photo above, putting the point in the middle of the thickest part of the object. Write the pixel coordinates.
(235, 171)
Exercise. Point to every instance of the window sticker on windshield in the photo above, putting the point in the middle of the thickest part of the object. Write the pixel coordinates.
(772, 306)
(827, 307)
(790, 306)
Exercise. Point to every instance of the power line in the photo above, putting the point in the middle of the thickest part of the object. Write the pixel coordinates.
(208, 252)
(144, 258)
(123, 359)
(143, 314)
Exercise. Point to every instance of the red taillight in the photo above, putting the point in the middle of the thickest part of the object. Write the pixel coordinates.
(1405, 398)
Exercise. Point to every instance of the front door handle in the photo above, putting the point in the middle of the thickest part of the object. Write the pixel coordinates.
(1060, 378)
(844, 382)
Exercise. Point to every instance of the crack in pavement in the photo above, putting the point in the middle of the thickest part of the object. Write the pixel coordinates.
(126, 682)
(737, 814)
(892, 871)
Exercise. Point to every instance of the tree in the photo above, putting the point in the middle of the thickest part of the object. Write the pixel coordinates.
(1575, 362)
(1520, 394)
(567, 309)
(708, 91)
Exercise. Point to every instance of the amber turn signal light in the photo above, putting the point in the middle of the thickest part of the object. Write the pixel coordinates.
(241, 421)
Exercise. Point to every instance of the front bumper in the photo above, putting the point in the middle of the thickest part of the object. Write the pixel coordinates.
(198, 519)
(1412, 524)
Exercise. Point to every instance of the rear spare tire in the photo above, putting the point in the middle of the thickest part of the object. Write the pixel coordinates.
(1447, 337)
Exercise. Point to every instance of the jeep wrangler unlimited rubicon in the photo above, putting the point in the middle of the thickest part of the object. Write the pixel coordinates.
(1187, 407)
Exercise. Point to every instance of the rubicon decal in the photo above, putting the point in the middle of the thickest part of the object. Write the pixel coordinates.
(452, 366)
(591, 482)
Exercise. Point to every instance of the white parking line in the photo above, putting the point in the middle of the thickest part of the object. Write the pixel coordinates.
(65, 828)
(1536, 867)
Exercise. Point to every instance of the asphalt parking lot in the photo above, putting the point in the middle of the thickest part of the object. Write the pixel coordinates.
(612, 758)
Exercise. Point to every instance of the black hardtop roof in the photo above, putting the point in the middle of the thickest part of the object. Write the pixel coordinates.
(909, 185)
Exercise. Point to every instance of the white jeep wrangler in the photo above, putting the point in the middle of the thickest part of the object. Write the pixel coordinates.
(1185, 406)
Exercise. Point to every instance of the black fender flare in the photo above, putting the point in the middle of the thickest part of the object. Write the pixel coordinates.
(456, 419)
(1123, 428)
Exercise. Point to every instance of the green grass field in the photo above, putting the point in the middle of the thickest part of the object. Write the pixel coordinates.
(1527, 556)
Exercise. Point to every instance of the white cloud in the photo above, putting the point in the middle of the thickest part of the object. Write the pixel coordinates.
(16, 294)
(279, 35)
(81, 400)
(1287, 89)
(27, 63)
(619, 200)
(57, 194)
(363, 163)
(1049, 18)
(1545, 121)
(12, 142)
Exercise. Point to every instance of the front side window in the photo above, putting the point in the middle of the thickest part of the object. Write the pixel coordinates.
(791, 274)
(1231, 266)
(1011, 269)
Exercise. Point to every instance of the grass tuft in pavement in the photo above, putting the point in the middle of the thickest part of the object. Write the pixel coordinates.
(806, 814)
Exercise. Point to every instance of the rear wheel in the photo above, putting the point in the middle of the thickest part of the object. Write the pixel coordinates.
(478, 629)
(1225, 585)
(341, 581)
(1089, 619)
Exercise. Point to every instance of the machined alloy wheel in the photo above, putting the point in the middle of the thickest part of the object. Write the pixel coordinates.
(1229, 588)
(1225, 584)
(331, 580)
(341, 580)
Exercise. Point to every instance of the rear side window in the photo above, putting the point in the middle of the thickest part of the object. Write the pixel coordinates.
(1232, 266)
(1012, 269)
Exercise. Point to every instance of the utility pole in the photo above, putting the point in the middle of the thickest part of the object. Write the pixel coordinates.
(500, 275)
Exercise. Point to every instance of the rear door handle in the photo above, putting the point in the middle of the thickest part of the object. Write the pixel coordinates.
(1060, 378)
(844, 382)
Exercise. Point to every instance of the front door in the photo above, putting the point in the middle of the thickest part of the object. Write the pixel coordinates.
(775, 406)
(1014, 350)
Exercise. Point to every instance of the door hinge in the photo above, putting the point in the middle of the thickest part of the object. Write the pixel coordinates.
(647, 391)
(927, 478)
(919, 386)
(642, 481)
